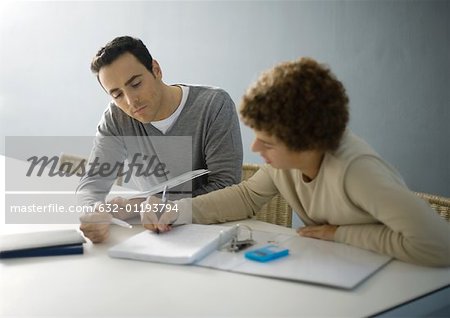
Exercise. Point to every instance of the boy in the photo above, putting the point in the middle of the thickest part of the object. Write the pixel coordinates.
(338, 185)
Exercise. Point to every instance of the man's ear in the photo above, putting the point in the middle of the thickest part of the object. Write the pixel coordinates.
(156, 69)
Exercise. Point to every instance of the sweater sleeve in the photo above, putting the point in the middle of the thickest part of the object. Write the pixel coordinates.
(108, 151)
(223, 146)
(408, 228)
(234, 202)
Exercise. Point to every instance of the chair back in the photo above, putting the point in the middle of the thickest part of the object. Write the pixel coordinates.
(440, 204)
(277, 210)
(71, 164)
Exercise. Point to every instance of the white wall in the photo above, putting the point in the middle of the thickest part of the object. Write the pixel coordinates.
(393, 56)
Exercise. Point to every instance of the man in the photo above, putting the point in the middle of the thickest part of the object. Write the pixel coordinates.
(144, 106)
(339, 186)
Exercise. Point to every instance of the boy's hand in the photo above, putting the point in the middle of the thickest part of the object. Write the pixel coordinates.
(322, 232)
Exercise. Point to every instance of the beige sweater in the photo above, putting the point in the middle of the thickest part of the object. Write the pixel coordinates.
(354, 189)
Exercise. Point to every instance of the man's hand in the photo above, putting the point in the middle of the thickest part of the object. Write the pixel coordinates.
(95, 225)
(322, 232)
(151, 209)
(122, 208)
(118, 207)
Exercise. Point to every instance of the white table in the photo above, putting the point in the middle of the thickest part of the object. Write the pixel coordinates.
(94, 284)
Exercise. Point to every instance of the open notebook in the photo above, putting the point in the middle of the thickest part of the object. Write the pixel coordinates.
(309, 260)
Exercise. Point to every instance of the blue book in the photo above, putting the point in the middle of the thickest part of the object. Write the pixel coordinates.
(44, 251)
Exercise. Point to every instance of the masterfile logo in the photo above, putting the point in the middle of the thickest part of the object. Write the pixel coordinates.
(140, 166)
(40, 187)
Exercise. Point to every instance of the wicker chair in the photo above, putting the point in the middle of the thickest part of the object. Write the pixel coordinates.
(277, 210)
(74, 161)
(440, 204)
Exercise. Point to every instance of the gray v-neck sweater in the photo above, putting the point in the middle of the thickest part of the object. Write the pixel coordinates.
(208, 119)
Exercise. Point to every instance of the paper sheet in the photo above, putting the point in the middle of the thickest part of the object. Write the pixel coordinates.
(169, 183)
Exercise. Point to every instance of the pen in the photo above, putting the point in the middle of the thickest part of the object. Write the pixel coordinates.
(164, 198)
(114, 220)
(121, 223)
(163, 201)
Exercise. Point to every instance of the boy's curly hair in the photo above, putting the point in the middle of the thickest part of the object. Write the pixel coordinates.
(301, 103)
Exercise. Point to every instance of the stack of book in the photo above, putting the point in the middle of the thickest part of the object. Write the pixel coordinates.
(45, 243)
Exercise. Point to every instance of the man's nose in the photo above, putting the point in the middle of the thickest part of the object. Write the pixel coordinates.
(133, 100)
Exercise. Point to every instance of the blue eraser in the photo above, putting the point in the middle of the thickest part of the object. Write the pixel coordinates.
(267, 253)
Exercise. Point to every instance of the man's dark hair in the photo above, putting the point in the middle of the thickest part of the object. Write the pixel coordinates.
(120, 45)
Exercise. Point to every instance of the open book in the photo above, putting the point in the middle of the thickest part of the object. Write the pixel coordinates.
(309, 260)
(182, 245)
(169, 183)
